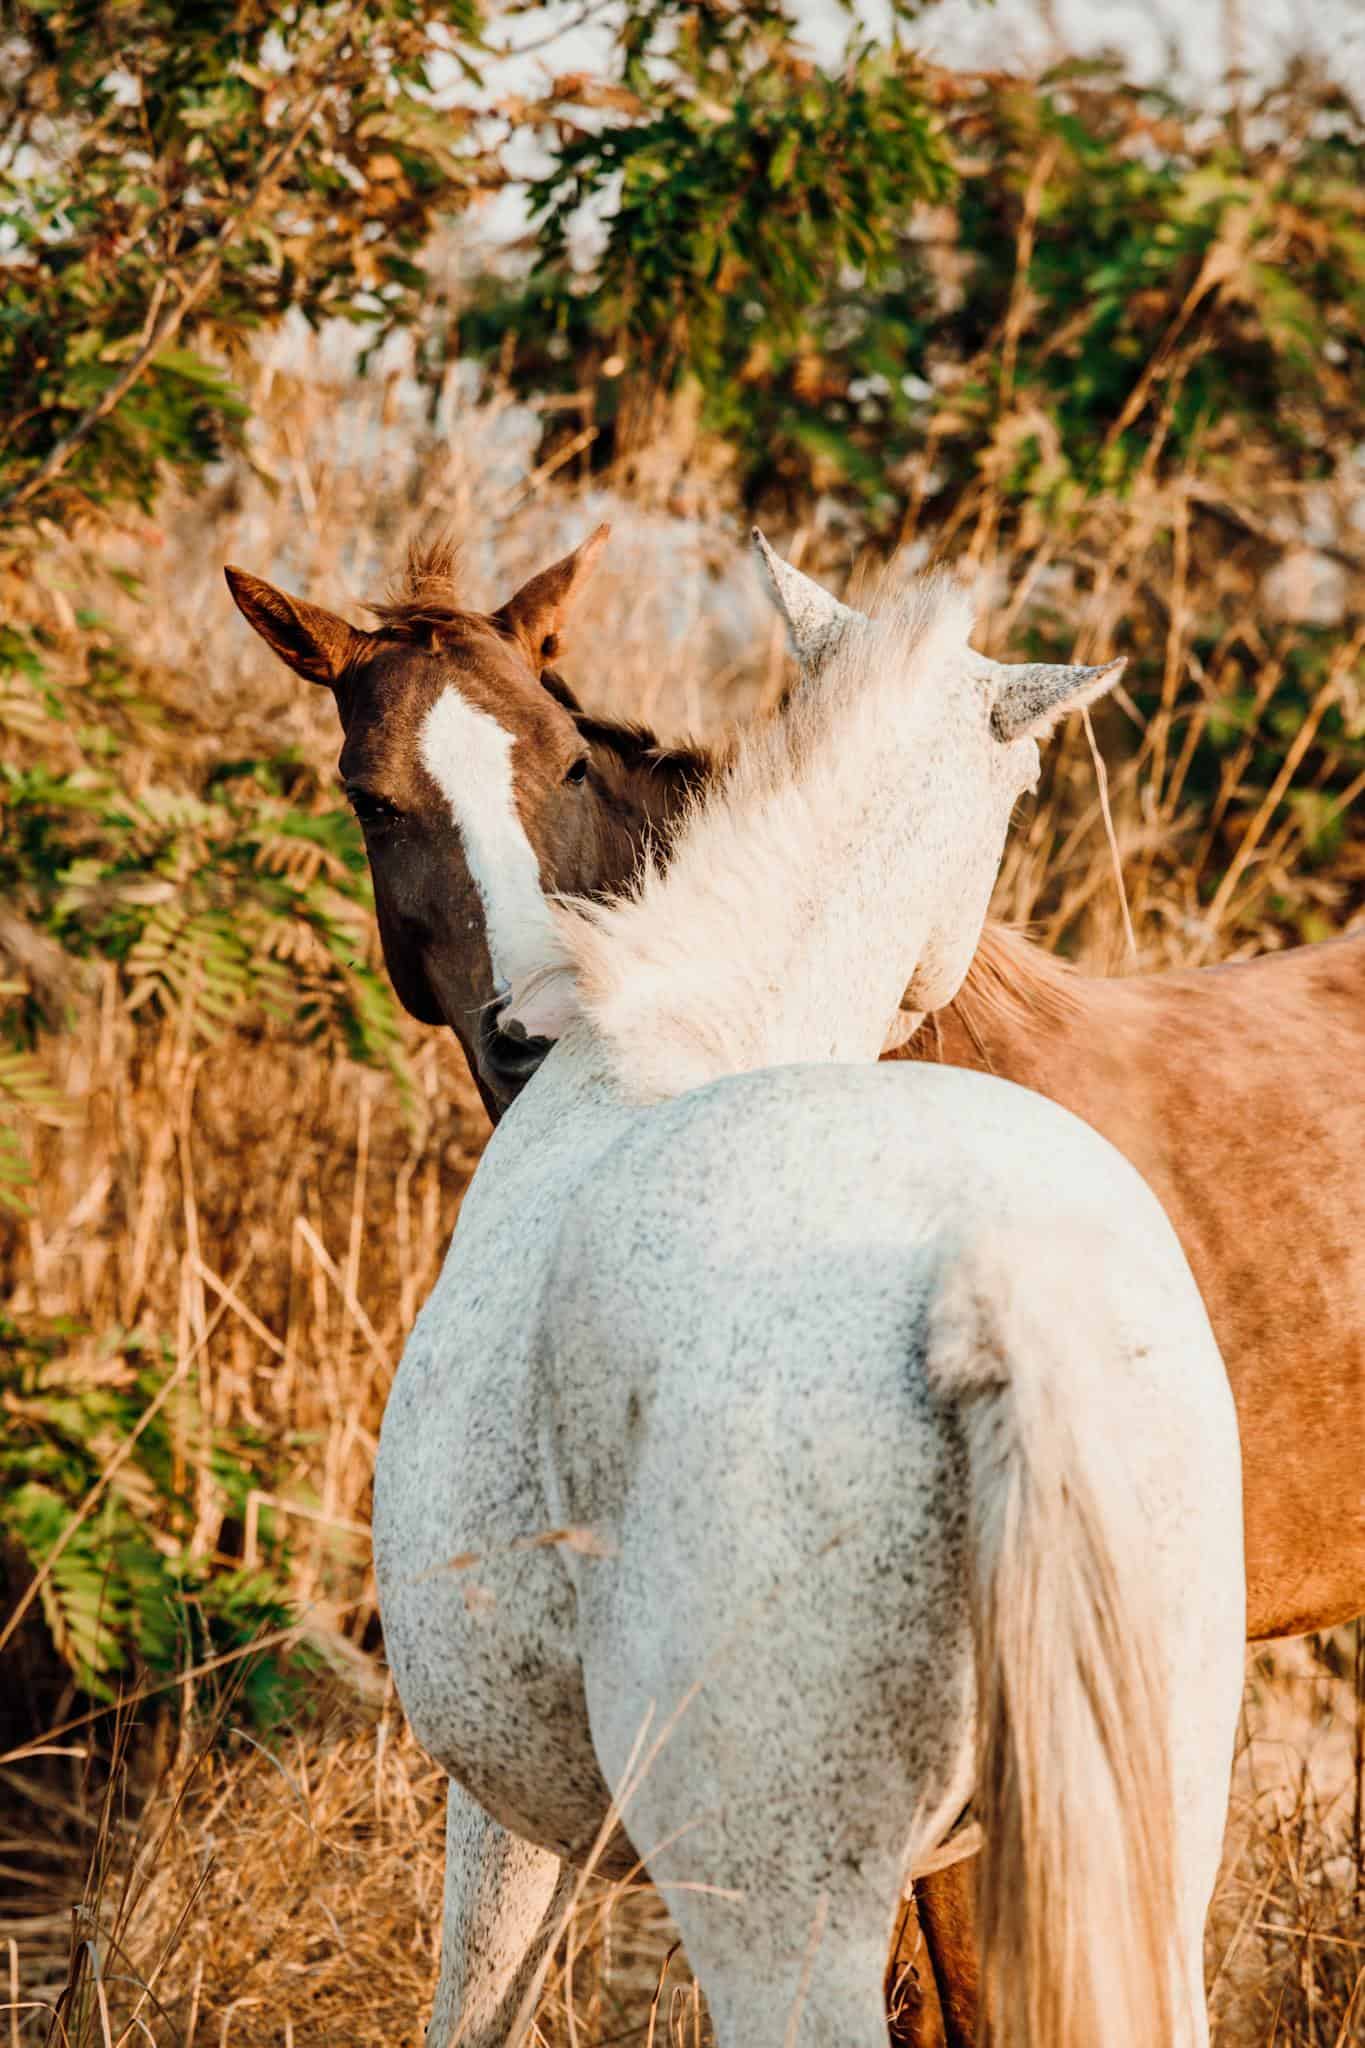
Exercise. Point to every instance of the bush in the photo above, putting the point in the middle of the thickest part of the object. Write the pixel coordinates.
(1115, 290)
(229, 889)
(104, 1448)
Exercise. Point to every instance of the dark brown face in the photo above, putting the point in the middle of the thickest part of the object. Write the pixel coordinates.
(478, 800)
(476, 791)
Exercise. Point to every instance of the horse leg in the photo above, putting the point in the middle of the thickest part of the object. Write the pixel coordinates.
(1207, 1689)
(947, 1912)
(775, 1818)
(781, 1975)
(914, 2017)
(503, 1902)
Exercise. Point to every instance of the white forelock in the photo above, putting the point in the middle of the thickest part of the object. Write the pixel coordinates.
(765, 939)
(469, 757)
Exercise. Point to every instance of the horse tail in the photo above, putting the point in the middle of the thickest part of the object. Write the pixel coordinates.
(1079, 1899)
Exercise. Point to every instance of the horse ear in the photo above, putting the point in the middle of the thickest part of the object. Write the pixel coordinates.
(1034, 696)
(536, 613)
(314, 643)
(815, 621)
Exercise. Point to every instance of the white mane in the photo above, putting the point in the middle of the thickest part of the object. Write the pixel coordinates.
(767, 938)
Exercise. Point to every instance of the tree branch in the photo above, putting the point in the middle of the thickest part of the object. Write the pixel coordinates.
(166, 329)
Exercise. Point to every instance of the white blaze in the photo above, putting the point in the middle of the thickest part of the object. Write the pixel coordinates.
(469, 757)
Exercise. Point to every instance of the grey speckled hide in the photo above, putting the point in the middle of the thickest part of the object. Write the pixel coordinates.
(706, 1331)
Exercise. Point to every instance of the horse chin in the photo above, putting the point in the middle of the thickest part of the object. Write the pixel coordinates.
(901, 1030)
(410, 983)
(492, 1103)
(500, 1085)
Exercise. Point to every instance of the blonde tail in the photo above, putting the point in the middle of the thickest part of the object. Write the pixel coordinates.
(1079, 1900)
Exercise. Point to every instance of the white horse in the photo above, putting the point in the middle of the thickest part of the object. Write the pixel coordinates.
(795, 1453)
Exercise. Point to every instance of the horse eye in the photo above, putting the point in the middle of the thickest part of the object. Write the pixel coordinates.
(370, 808)
(579, 770)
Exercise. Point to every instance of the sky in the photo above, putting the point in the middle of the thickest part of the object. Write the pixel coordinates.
(1150, 33)
(1009, 30)
(1186, 41)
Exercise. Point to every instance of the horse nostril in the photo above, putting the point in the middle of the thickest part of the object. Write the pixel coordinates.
(515, 1052)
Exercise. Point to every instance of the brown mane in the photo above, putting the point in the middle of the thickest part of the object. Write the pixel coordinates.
(638, 747)
(1012, 982)
(424, 595)
(1012, 974)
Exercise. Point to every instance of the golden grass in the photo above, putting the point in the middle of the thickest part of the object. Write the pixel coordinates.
(272, 1212)
(294, 1896)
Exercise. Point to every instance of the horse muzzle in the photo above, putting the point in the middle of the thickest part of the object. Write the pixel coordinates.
(507, 1058)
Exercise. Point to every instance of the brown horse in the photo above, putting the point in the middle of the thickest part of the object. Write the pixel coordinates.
(599, 792)
(1217, 1083)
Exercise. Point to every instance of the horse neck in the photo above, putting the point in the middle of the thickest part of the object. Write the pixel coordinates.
(567, 1114)
(840, 933)
(1017, 1003)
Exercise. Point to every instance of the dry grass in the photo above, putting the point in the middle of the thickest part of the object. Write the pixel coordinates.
(272, 1210)
(1287, 1938)
(294, 1896)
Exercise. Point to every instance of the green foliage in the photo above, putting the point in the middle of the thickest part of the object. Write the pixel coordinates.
(1181, 291)
(27, 1094)
(174, 176)
(747, 190)
(244, 896)
(749, 197)
(1117, 291)
(125, 1593)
